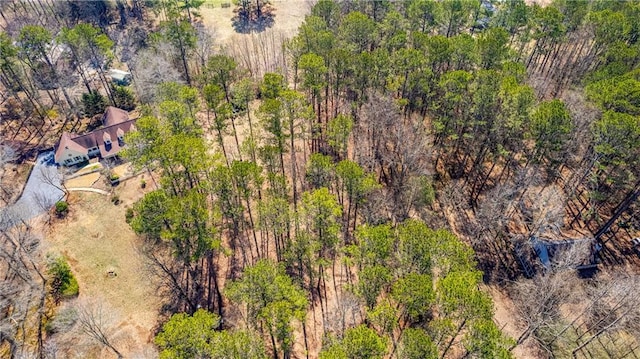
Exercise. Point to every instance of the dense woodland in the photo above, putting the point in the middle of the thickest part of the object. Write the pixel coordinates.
(354, 193)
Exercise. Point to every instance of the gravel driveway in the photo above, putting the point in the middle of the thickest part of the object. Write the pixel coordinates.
(42, 191)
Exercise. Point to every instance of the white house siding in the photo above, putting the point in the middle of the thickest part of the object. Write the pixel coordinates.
(71, 157)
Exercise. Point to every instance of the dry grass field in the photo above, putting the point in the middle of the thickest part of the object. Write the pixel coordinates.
(83, 181)
(96, 240)
(288, 16)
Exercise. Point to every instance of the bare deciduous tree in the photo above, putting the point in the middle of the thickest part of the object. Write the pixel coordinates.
(543, 211)
(22, 289)
(347, 313)
(539, 301)
(260, 53)
(150, 69)
(614, 309)
(167, 275)
(7, 154)
(42, 202)
(204, 45)
(394, 146)
(604, 308)
(52, 177)
(97, 322)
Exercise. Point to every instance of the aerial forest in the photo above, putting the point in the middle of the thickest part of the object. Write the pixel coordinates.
(380, 184)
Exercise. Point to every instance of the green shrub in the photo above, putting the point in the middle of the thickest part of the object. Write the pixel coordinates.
(114, 179)
(123, 97)
(63, 283)
(427, 193)
(115, 199)
(93, 103)
(62, 208)
(143, 183)
(128, 215)
(49, 328)
(72, 289)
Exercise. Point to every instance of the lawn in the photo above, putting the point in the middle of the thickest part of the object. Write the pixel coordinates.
(96, 240)
(216, 3)
(83, 181)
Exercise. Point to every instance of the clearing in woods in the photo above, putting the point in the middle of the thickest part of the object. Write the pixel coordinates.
(288, 15)
(101, 250)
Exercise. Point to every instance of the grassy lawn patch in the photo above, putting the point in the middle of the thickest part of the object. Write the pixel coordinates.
(100, 249)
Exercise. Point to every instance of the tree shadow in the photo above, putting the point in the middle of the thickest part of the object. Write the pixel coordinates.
(248, 21)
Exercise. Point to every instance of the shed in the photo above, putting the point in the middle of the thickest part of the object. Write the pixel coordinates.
(120, 77)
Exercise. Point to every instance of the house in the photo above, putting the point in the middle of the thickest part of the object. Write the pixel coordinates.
(104, 142)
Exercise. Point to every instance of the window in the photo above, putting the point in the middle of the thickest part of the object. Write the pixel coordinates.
(120, 136)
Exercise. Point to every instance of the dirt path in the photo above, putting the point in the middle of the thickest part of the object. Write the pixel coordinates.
(96, 241)
(87, 189)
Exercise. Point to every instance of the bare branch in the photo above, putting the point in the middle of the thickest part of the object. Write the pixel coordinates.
(97, 322)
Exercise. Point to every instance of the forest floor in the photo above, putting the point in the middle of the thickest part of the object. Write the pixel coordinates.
(13, 178)
(96, 240)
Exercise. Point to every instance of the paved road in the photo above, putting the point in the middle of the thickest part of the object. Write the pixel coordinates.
(42, 191)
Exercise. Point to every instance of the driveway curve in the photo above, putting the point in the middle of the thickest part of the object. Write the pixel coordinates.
(42, 191)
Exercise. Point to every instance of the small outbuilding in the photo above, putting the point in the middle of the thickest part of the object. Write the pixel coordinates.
(540, 253)
(119, 77)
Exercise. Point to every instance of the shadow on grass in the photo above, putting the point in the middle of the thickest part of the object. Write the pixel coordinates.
(246, 22)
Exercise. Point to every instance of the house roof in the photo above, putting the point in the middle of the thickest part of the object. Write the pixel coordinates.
(546, 249)
(119, 74)
(117, 123)
(66, 142)
(98, 137)
(113, 115)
